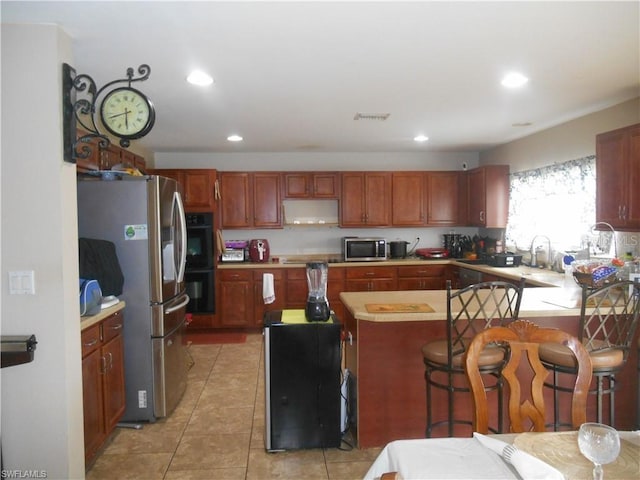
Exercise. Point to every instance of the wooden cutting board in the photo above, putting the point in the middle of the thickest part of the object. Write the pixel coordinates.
(398, 308)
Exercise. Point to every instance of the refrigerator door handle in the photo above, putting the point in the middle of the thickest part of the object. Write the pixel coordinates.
(172, 309)
(183, 237)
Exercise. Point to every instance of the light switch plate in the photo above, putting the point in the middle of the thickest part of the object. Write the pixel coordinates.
(22, 283)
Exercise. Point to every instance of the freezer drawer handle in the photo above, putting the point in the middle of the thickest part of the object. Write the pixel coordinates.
(179, 306)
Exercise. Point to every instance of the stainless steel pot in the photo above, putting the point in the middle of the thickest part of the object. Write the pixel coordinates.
(398, 249)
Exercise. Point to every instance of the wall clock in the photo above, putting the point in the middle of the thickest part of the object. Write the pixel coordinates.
(124, 112)
(127, 113)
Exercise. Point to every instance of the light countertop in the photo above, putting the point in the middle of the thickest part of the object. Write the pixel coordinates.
(536, 302)
(534, 276)
(90, 320)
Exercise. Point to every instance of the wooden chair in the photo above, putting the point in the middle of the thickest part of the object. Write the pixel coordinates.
(523, 337)
(469, 311)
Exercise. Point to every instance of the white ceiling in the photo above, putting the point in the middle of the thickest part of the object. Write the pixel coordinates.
(290, 76)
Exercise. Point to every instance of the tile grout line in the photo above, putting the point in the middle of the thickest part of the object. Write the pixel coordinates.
(255, 404)
(186, 425)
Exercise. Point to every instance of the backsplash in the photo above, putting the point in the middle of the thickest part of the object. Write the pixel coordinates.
(308, 240)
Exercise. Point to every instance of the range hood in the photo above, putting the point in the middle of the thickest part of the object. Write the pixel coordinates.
(311, 212)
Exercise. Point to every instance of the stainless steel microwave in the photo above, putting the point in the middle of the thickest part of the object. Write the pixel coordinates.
(357, 249)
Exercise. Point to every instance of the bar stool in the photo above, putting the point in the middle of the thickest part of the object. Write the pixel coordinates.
(469, 311)
(608, 319)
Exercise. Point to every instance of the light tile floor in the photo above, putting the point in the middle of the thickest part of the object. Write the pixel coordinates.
(217, 431)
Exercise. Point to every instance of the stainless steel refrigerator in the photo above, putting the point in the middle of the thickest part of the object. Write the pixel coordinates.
(144, 218)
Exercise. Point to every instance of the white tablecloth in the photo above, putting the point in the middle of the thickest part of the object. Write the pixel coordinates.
(449, 458)
(440, 458)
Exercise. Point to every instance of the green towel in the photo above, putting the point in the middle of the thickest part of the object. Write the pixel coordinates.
(293, 316)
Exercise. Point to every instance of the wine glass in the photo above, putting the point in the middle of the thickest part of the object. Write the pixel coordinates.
(600, 444)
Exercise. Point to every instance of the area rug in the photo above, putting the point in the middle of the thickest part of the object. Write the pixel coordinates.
(212, 338)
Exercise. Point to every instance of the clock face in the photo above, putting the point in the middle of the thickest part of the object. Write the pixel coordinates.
(127, 113)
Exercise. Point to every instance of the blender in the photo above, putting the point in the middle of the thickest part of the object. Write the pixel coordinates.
(317, 308)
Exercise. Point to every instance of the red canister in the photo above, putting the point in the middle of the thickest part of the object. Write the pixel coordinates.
(259, 250)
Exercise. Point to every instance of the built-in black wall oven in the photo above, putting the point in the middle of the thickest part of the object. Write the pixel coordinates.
(200, 272)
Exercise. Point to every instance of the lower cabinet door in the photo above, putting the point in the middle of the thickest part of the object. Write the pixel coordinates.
(92, 394)
(114, 398)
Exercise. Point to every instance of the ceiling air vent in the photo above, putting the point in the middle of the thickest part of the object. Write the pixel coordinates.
(371, 116)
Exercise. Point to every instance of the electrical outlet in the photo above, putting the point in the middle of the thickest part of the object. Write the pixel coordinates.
(142, 399)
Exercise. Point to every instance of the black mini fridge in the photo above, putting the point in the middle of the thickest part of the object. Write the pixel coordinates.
(302, 382)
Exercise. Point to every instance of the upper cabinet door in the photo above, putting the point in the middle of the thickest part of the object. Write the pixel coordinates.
(366, 199)
(408, 199)
(199, 188)
(235, 200)
(618, 177)
(378, 199)
(443, 194)
(488, 196)
(311, 185)
(267, 210)
(297, 185)
(326, 185)
(352, 205)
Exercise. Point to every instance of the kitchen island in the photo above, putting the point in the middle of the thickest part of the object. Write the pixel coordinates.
(383, 355)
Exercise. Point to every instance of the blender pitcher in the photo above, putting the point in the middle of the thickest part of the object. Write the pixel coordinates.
(317, 308)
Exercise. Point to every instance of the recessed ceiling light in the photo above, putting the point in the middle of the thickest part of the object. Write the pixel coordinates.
(234, 138)
(514, 80)
(420, 138)
(198, 77)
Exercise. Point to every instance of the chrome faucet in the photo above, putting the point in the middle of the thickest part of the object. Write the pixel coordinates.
(613, 236)
(534, 261)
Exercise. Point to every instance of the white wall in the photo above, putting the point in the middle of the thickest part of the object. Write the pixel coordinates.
(569, 141)
(42, 422)
(316, 161)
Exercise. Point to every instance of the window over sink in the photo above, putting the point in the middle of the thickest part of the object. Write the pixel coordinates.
(557, 201)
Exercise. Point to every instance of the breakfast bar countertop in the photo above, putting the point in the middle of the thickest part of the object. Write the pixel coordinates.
(536, 302)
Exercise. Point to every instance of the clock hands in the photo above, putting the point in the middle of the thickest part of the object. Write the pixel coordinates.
(126, 112)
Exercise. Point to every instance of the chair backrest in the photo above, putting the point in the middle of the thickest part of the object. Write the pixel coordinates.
(477, 307)
(526, 402)
(609, 316)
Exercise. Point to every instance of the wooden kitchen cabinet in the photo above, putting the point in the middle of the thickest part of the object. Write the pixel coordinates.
(365, 199)
(110, 157)
(423, 277)
(297, 288)
(618, 177)
(443, 194)
(102, 381)
(198, 187)
(250, 200)
(371, 278)
(311, 185)
(267, 203)
(132, 160)
(236, 294)
(336, 284)
(92, 162)
(408, 199)
(425, 199)
(488, 196)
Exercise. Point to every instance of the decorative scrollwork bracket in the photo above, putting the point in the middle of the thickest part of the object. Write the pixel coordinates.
(80, 106)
